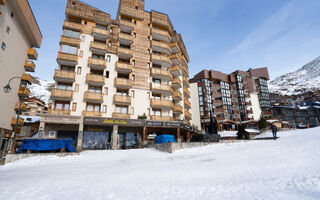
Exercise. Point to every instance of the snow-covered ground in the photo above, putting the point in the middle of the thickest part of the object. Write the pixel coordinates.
(288, 168)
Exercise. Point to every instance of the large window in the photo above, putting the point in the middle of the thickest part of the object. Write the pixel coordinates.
(93, 89)
(64, 86)
(122, 109)
(69, 49)
(61, 105)
(156, 112)
(93, 108)
(70, 33)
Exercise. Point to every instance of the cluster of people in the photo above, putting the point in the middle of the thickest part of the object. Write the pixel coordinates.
(242, 133)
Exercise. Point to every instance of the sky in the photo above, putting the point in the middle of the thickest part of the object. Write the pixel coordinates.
(223, 35)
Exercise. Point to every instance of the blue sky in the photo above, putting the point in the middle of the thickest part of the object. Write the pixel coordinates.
(223, 35)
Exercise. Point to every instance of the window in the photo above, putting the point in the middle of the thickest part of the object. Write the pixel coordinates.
(156, 81)
(148, 95)
(81, 53)
(76, 88)
(107, 74)
(3, 46)
(108, 58)
(8, 29)
(105, 109)
(74, 106)
(105, 91)
(70, 33)
(79, 70)
(93, 89)
(133, 63)
(93, 108)
(132, 111)
(61, 105)
(132, 93)
(69, 49)
(149, 52)
(83, 38)
(148, 65)
(122, 109)
(134, 35)
(111, 30)
(156, 112)
(149, 38)
(133, 77)
(135, 22)
(64, 86)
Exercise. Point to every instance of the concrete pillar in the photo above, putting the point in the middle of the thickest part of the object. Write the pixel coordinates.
(42, 126)
(80, 137)
(114, 137)
(188, 136)
(178, 135)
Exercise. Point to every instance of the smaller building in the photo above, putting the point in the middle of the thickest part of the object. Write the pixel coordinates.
(34, 107)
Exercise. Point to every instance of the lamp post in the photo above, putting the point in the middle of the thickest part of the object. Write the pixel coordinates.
(7, 89)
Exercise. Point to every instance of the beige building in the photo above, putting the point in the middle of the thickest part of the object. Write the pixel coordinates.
(19, 35)
(33, 107)
(116, 71)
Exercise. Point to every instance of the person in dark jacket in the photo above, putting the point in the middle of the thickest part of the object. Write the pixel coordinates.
(274, 130)
(242, 132)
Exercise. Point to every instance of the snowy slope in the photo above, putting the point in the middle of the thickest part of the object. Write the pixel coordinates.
(41, 89)
(286, 169)
(304, 79)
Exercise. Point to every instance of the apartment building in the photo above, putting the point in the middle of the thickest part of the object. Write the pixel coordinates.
(233, 98)
(33, 107)
(113, 73)
(19, 36)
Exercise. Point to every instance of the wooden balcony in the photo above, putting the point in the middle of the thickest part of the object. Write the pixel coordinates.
(175, 59)
(27, 77)
(161, 118)
(70, 41)
(29, 66)
(2, 2)
(125, 38)
(122, 100)
(160, 103)
(124, 67)
(98, 47)
(91, 114)
(32, 54)
(122, 83)
(67, 59)
(93, 97)
(175, 48)
(184, 61)
(23, 106)
(59, 112)
(100, 33)
(186, 93)
(161, 73)
(72, 26)
(132, 12)
(64, 95)
(176, 83)
(177, 109)
(185, 71)
(161, 88)
(24, 92)
(177, 96)
(64, 76)
(187, 104)
(159, 34)
(14, 121)
(176, 70)
(126, 25)
(161, 47)
(163, 60)
(186, 82)
(248, 103)
(125, 53)
(95, 79)
(121, 115)
(187, 115)
(98, 64)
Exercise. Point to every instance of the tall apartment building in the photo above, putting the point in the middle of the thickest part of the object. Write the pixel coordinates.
(19, 36)
(233, 98)
(115, 71)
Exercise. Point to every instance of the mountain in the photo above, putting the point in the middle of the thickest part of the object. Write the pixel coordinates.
(41, 89)
(305, 79)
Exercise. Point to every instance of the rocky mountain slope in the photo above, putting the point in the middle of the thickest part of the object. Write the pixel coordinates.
(41, 89)
(305, 79)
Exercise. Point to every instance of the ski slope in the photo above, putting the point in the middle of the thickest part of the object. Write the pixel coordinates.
(288, 168)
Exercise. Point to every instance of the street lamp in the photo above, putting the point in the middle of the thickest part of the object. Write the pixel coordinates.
(7, 89)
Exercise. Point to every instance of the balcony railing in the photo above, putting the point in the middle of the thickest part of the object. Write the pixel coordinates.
(178, 109)
(186, 93)
(161, 73)
(161, 46)
(175, 48)
(159, 103)
(161, 59)
(14, 121)
(91, 114)
(161, 118)
(101, 32)
(70, 41)
(97, 63)
(26, 77)
(125, 52)
(72, 26)
(160, 34)
(176, 70)
(124, 67)
(93, 97)
(122, 100)
(161, 88)
(129, 25)
(98, 46)
(185, 71)
(187, 104)
(29, 66)
(121, 115)
(175, 59)
(187, 115)
(122, 83)
(95, 79)
(176, 83)
(64, 76)
(67, 58)
(61, 94)
(125, 37)
(185, 82)
(23, 106)
(59, 112)
(177, 95)
(24, 92)
(184, 61)
(32, 54)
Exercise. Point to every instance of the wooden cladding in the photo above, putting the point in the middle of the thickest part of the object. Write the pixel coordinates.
(160, 103)
(59, 112)
(187, 115)
(161, 20)
(122, 83)
(97, 62)
(32, 54)
(178, 109)
(99, 46)
(67, 57)
(161, 118)
(70, 41)
(177, 95)
(91, 114)
(187, 104)
(100, 31)
(185, 82)
(14, 121)
(61, 75)
(121, 115)
(122, 100)
(61, 94)
(72, 26)
(26, 77)
(93, 97)
(23, 106)
(161, 73)
(29, 66)
(161, 88)
(23, 92)
(124, 67)
(95, 79)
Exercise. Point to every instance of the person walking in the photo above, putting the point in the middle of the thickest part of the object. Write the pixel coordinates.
(274, 130)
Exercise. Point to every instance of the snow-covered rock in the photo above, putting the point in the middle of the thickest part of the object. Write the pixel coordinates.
(41, 89)
(303, 80)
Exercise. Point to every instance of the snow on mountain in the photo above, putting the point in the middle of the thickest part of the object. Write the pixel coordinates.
(303, 80)
(41, 89)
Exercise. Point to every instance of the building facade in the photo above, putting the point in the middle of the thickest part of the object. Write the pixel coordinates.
(233, 98)
(19, 36)
(33, 107)
(133, 67)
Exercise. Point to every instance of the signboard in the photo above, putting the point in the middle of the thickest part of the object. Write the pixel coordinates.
(173, 124)
(100, 121)
(52, 134)
(154, 123)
